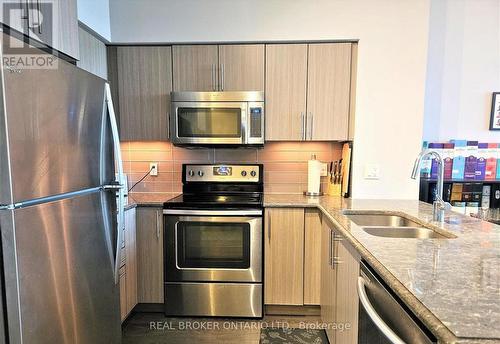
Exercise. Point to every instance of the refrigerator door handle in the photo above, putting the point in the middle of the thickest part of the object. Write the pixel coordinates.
(121, 183)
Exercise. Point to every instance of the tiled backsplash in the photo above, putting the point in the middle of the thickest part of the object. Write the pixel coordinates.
(285, 163)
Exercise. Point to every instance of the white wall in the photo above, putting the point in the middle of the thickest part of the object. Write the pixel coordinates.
(392, 35)
(463, 69)
(95, 14)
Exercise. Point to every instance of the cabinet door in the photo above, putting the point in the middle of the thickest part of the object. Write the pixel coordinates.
(67, 30)
(144, 85)
(286, 80)
(131, 258)
(92, 54)
(347, 296)
(194, 67)
(284, 256)
(328, 279)
(328, 91)
(312, 257)
(241, 67)
(149, 255)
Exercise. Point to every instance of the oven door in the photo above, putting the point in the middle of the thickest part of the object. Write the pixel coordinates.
(219, 248)
(209, 123)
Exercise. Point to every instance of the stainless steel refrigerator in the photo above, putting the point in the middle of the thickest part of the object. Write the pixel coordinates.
(59, 153)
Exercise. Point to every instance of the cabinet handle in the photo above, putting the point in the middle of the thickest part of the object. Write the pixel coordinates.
(311, 115)
(212, 70)
(335, 258)
(38, 9)
(303, 127)
(222, 77)
(157, 225)
(330, 243)
(269, 228)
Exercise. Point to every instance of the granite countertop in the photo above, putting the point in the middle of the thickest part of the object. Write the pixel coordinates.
(452, 285)
(148, 199)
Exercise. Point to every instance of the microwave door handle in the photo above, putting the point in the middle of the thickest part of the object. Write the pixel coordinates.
(374, 316)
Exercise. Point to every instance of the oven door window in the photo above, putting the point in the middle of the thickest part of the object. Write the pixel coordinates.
(209, 122)
(213, 245)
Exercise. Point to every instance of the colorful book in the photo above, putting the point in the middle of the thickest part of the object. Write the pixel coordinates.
(491, 161)
(426, 164)
(447, 153)
(437, 147)
(482, 156)
(470, 160)
(498, 162)
(459, 159)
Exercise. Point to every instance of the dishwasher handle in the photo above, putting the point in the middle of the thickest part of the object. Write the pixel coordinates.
(374, 316)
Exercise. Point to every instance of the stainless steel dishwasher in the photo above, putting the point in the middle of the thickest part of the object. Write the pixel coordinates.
(383, 318)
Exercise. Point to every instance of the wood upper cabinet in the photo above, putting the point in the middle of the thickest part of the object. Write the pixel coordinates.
(328, 279)
(92, 54)
(241, 67)
(346, 299)
(194, 67)
(144, 78)
(312, 256)
(149, 255)
(52, 22)
(286, 88)
(284, 256)
(328, 91)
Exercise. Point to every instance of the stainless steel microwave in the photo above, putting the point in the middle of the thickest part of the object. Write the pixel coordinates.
(217, 118)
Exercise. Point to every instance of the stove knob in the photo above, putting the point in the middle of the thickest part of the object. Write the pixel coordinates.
(200, 173)
(253, 173)
(244, 173)
(191, 173)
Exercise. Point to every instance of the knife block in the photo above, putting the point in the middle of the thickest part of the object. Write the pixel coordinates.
(333, 189)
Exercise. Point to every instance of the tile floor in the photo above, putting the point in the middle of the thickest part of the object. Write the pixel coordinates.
(155, 328)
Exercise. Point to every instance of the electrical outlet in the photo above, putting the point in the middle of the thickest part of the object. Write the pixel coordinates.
(372, 171)
(153, 169)
(324, 169)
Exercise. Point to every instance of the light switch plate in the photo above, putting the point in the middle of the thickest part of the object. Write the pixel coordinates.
(372, 171)
(153, 169)
(324, 169)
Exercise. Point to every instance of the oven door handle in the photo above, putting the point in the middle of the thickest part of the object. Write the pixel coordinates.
(242, 212)
(374, 316)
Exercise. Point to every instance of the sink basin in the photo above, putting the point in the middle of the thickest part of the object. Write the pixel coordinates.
(404, 232)
(382, 220)
(394, 225)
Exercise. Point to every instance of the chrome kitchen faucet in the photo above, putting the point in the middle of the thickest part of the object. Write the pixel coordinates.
(439, 205)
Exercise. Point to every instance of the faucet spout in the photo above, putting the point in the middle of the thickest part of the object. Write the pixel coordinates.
(439, 205)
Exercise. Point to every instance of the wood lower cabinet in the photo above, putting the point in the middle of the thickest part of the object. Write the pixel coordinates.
(195, 67)
(149, 255)
(128, 265)
(143, 79)
(284, 256)
(339, 276)
(312, 256)
(328, 279)
(347, 295)
(286, 89)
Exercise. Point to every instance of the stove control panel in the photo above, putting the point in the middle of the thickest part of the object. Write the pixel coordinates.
(223, 173)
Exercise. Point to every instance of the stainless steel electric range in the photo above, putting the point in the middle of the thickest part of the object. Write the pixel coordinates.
(213, 242)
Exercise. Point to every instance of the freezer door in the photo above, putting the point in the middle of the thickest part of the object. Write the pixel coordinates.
(53, 128)
(58, 260)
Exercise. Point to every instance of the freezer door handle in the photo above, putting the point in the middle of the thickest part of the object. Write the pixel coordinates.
(120, 182)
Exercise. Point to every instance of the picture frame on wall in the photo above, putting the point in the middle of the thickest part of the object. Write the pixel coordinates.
(495, 111)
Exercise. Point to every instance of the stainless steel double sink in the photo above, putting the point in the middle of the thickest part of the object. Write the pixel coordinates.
(394, 225)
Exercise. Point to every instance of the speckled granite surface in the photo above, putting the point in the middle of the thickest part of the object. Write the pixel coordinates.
(452, 285)
(148, 199)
